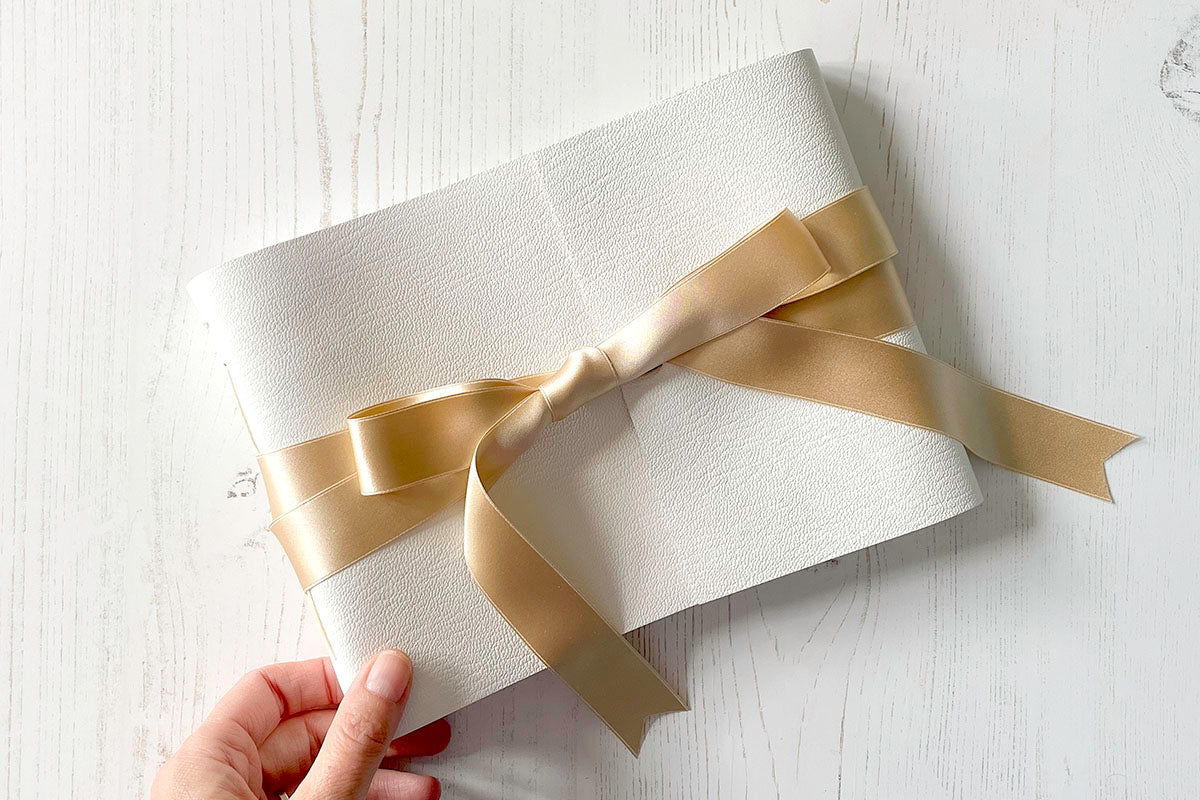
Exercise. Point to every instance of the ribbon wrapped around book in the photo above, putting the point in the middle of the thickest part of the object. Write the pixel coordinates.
(798, 307)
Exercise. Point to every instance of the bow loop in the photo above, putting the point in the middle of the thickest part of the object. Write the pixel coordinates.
(401, 443)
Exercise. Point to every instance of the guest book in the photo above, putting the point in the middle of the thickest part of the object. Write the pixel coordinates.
(670, 490)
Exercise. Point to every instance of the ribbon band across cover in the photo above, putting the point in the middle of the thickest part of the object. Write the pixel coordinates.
(798, 307)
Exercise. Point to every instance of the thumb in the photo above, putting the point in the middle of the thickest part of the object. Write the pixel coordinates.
(361, 730)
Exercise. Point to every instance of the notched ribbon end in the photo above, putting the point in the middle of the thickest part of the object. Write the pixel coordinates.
(1122, 439)
(631, 728)
(1079, 462)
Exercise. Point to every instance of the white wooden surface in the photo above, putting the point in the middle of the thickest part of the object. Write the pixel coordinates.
(1040, 165)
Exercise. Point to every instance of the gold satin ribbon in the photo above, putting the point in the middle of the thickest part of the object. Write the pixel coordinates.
(798, 307)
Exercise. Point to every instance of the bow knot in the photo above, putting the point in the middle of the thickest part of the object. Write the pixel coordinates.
(586, 374)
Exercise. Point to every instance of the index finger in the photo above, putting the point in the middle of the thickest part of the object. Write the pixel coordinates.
(268, 695)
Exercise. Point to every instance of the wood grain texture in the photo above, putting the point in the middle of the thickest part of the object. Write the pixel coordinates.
(1040, 166)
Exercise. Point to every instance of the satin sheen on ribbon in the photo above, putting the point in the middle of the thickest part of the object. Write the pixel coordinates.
(798, 307)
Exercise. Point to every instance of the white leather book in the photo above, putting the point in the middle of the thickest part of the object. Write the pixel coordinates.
(679, 489)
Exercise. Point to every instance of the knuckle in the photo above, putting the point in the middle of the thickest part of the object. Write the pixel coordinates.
(254, 676)
(364, 731)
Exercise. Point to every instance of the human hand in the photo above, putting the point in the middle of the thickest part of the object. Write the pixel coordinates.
(288, 728)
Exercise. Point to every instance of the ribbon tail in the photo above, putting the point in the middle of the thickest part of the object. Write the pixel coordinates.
(891, 382)
(554, 620)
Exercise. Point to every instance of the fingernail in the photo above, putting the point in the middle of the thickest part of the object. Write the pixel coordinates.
(390, 675)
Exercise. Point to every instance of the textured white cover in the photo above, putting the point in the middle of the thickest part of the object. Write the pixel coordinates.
(673, 491)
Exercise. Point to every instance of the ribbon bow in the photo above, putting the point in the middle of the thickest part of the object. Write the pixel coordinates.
(797, 307)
